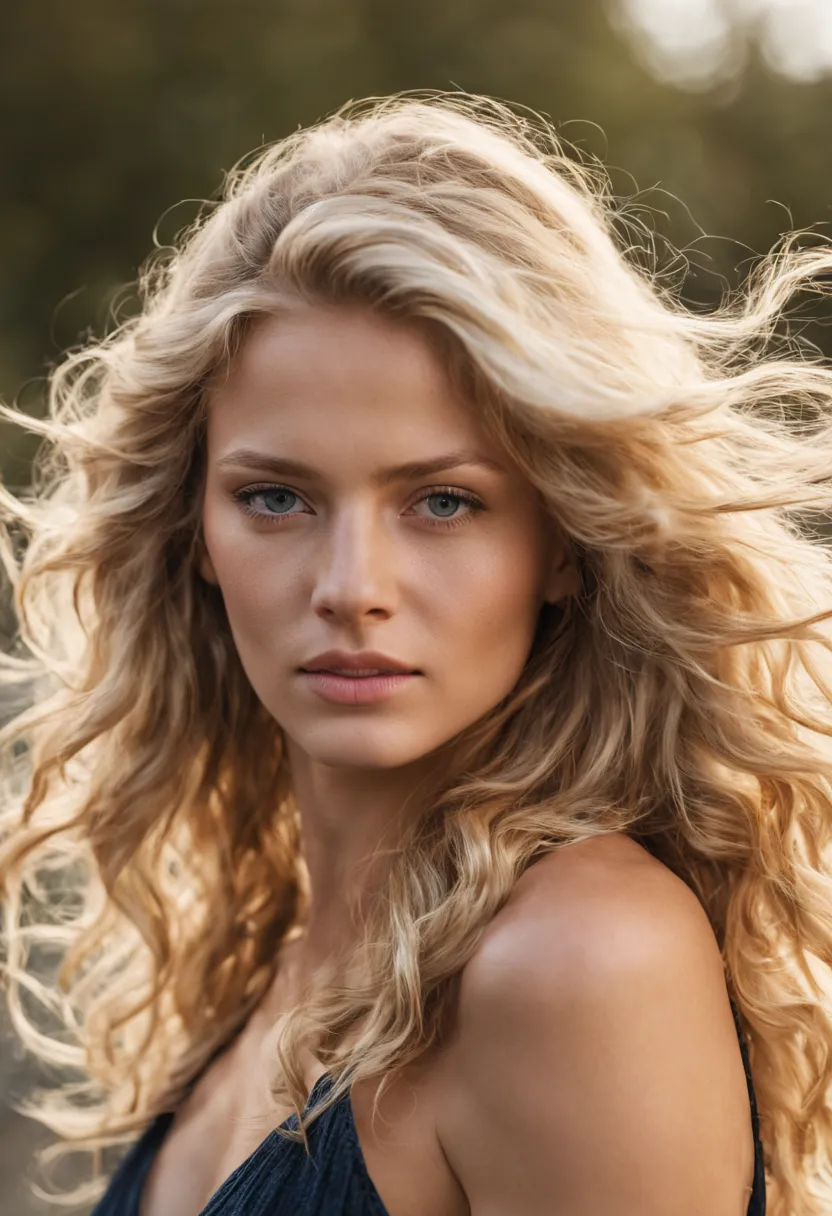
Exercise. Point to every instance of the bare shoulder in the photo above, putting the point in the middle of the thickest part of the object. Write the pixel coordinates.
(596, 1065)
(585, 911)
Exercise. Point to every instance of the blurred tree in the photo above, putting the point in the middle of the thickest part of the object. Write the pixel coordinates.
(112, 114)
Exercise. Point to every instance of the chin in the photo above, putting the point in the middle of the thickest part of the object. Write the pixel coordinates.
(363, 745)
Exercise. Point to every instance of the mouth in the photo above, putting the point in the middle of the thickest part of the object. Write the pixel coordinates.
(354, 666)
(357, 686)
(353, 674)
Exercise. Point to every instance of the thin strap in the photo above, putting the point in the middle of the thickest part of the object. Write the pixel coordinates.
(757, 1202)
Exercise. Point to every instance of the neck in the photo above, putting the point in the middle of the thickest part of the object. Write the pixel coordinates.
(351, 822)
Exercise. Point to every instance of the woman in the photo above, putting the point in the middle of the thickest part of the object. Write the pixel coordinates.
(429, 779)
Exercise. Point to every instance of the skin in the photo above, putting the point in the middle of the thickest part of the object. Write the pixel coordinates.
(595, 1066)
(358, 566)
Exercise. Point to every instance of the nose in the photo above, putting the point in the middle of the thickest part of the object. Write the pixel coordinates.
(354, 575)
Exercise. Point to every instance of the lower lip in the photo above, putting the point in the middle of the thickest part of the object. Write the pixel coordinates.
(356, 690)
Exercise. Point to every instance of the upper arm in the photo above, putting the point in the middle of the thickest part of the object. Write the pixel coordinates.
(596, 1067)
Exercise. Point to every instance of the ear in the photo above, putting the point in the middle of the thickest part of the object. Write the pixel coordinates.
(564, 579)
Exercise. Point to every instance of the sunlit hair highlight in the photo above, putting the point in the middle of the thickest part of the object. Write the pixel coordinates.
(149, 840)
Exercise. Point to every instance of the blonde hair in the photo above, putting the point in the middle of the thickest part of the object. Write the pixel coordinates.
(149, 832)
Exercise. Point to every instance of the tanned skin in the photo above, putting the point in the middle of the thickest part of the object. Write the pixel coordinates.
(594, 1067)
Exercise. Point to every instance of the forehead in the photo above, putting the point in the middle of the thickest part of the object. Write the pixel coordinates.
(335, 370)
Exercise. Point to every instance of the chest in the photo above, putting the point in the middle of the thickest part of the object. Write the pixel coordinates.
(224, 1121)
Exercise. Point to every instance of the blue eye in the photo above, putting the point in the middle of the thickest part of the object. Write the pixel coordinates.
(452, 499)
(246, 497)
(280, 492)
(447, 499)
(450, 496)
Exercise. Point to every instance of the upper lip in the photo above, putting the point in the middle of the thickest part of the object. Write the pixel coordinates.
(356, 661)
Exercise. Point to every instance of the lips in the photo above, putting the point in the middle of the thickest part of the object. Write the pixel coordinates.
(356, 675)
(357, 664)
(354, 689)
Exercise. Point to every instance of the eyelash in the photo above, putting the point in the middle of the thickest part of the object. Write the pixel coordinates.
(244, 498)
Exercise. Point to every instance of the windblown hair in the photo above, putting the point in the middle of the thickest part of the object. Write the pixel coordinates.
(149, 839)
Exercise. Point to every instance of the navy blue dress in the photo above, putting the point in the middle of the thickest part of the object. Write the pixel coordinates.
(278, 1179)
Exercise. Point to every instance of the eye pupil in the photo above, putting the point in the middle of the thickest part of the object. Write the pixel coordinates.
(446, 498)
(279, 494)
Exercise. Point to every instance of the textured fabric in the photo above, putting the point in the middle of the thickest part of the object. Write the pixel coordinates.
(278, 1179)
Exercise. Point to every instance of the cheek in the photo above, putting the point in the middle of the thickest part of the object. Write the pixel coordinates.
(492, 609)
(264, 625)
(256, 616)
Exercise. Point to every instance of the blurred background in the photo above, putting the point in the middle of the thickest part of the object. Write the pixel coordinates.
(116, 120)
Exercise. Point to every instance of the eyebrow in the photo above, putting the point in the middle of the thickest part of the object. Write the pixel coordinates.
(282, 467)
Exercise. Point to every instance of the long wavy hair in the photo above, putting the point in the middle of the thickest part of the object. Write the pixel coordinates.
(149, 845)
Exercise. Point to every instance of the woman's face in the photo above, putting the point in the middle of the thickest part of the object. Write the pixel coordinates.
(346, 548)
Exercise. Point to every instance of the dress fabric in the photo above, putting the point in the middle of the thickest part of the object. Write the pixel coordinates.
(279, 1179)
